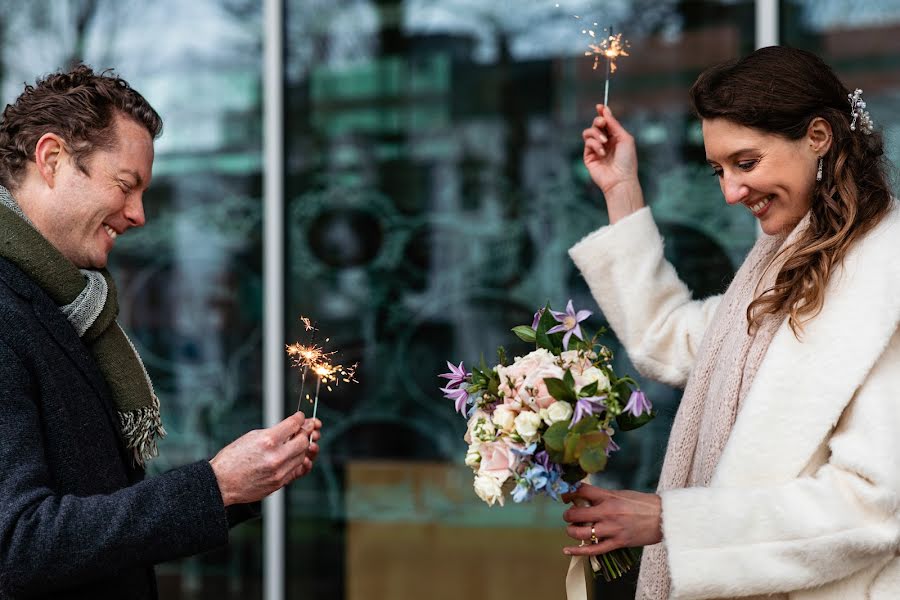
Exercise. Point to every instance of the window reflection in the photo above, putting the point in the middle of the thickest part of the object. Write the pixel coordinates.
(434, 186)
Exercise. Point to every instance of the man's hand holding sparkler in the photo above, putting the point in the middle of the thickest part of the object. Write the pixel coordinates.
(265, 460)
(611, 159)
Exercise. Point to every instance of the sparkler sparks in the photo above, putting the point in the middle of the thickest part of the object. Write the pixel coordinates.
(611, 47)
(311, 357)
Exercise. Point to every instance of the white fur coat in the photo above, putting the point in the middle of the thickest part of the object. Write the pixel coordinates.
(805, 501)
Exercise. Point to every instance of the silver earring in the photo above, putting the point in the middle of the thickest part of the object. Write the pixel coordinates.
(819, 172)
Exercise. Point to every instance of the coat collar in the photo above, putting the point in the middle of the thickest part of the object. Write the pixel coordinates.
(803, 386)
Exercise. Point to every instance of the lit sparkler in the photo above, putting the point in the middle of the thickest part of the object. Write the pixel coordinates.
(314, 358)
(611, 47)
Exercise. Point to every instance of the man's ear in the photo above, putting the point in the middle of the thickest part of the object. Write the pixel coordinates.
(819, 135)
(48, 156)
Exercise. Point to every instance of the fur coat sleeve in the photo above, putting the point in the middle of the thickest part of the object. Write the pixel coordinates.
(647, 305)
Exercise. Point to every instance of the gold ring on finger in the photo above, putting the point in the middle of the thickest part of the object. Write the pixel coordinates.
(594, 538)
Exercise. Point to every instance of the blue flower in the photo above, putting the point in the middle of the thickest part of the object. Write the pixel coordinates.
(526, 451)
(522, 492)
(537, 476)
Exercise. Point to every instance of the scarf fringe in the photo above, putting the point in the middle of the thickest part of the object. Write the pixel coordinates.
(141, 429)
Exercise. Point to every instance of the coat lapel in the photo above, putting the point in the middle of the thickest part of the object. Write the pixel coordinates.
(803, 386)
(56, 325)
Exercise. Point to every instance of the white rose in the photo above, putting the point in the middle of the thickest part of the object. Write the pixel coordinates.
(527, 424)
(504, 417)
(480, 428)
(473, 455)
(589, 376)
(570, 358)
(488, 489)
(558, 411)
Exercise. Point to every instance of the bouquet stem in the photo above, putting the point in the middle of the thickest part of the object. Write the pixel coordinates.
(613, 565)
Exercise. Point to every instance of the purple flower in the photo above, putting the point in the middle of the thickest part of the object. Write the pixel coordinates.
(537, 319)
(459, 396)
(543, 459)
(587, 406)
(612, 447)
(638, 404)
(569, 322)
(457, 375)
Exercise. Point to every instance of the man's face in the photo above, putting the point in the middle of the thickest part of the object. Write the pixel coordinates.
(89, 211)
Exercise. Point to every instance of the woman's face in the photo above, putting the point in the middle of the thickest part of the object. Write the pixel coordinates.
(772, 176)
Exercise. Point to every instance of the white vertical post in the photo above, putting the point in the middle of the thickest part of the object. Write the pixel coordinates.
(273, 277)
(766, 35)
(766, 23)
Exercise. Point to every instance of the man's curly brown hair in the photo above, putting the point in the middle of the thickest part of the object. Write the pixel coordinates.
(79, 106)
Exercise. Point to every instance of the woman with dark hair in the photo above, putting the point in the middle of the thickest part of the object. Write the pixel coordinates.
(781, 477)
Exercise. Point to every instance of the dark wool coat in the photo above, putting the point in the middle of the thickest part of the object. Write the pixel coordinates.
(77, 520)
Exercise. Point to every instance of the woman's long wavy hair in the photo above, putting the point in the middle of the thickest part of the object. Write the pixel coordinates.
(780, 90)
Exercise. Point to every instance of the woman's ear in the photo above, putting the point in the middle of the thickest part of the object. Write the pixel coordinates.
(819, 135)
(48, 156)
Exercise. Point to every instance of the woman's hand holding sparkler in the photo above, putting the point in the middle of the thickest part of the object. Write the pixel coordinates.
(611, 159)
(265, 460)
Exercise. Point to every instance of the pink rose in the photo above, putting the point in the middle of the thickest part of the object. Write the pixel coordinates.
(497, 460)
(522, 383)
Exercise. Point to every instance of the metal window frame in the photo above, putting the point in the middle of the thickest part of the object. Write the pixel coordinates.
(273, 281)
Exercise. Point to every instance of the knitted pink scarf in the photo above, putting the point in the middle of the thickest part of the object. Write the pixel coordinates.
(726, 366)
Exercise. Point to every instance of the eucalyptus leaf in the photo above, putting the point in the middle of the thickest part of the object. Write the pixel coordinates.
(593, 459)
(586, 425)
(570, 452)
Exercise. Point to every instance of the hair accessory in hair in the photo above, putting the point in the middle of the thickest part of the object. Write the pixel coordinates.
(859, 113)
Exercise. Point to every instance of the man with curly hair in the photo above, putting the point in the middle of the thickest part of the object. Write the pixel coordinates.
(78, 414)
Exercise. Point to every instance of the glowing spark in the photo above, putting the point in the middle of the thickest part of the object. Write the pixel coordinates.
(611, 48)
(314, 358)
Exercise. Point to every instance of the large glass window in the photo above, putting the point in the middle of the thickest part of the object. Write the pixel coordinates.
(434, 184)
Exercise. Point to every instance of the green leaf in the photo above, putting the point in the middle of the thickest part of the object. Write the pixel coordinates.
(586, 425)
(554, 437)
(589, 390)
(560, 390)
(525, 333)
(552, 342)
(493, 383)
(569, 379)
(627, 421)
(570, 452)
(593, 459)
(501, 355)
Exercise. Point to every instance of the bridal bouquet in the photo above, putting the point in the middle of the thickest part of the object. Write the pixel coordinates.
(542, 423)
